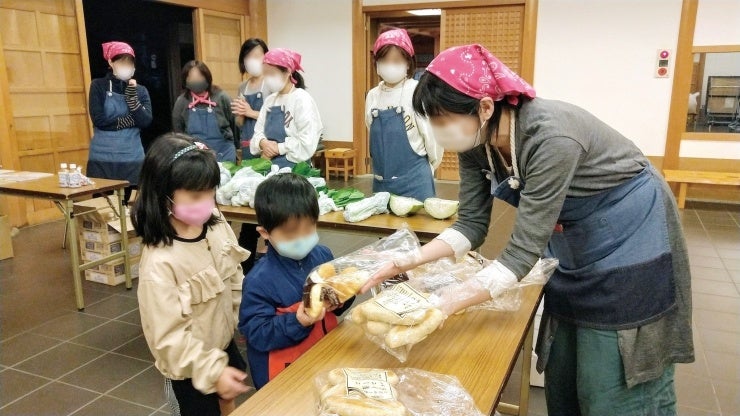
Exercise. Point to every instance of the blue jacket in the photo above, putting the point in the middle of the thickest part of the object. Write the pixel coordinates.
(275, 282)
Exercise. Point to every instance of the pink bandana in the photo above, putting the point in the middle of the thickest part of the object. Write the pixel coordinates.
(475, 72)
(285, 58)
(395, 37)
(113, 49)
(200, 99)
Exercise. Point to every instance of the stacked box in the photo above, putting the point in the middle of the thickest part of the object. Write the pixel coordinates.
(112, 273)
(99, 236)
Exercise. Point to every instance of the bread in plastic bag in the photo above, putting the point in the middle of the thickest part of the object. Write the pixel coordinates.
(405, 314)
(396, 392)
(333, 283)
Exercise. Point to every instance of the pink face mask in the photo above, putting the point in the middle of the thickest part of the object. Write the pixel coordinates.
(194, 214)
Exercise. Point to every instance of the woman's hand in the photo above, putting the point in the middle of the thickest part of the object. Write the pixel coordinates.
(241, 108)
(269, 148)
(132, 82)
(231, 383)
(386, 271)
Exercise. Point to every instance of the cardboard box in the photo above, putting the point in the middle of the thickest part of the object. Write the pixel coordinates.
(98, 222)
(95, 250)
(6, 242)
(112, 274)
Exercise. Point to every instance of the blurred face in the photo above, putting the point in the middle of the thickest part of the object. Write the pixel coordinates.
(275, 78)
(123, 67)
(294, 239)
(392, 67)
(253, 61)
(195, 81)
(193, 207)
(462, 132)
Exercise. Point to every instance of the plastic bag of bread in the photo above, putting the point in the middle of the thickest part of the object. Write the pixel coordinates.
(406, 313)
(333, 283)
(396, 392)
(398, 318)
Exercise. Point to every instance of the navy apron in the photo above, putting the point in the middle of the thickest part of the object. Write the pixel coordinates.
(275, 131)
(203, 125)
(115, 154)
(615, 265)
(247, 131)
(396, 167)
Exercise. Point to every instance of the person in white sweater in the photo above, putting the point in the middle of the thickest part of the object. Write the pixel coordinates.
(402, 148)
(289, 125)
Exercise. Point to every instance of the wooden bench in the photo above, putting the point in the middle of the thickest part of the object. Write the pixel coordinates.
(685, 177)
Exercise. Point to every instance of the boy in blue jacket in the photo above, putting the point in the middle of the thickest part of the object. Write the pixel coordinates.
(271, 315)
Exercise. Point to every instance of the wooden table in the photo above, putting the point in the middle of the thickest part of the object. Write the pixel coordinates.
(48, 188)
(479, 348)
(425, 227)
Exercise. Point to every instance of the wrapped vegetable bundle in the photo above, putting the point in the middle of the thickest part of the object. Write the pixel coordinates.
(397, 392)
(362, 210)
(333, 283)
(258, 165)
(406, 313)
(304, 169)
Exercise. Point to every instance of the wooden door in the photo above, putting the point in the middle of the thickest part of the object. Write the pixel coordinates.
(218, 37)
(44, 81)
(498, 28)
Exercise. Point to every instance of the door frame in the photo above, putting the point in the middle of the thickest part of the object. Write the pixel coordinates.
(362, 45)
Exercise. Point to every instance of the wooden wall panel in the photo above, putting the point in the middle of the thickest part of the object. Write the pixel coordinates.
(500, 29)
(45, 83)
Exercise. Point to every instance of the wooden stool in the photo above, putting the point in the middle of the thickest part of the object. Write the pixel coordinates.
(344, 162)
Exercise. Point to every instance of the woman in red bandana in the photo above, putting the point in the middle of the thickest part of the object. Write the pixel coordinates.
(618, 308)
(289, 126)
(401, 145)
(119, 109)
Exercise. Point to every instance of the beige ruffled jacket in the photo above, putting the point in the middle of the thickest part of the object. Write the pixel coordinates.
(189, 296)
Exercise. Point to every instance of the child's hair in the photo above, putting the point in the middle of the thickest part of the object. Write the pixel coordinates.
(283, 197)
(247, 47)
(204, 70)
(410, 60)
(161, 175)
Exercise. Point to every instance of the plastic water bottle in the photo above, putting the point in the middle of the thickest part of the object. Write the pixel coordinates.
(63, 176)
(75, 177)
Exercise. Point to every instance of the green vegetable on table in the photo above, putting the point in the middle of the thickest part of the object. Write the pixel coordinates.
(258, 165)
(231, 167)
(344, 196)
(304, 169)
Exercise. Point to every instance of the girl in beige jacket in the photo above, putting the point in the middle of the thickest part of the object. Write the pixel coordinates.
(190, 276)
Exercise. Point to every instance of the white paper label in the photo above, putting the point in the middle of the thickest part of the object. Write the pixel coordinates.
(402, 299)
(373, 384)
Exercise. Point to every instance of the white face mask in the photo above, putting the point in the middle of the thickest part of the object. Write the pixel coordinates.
(275, 83)
(392, 73)
(452, 137)
(125, 73)
(253, 66)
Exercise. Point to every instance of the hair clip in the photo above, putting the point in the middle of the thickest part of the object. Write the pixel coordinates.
(194, 146)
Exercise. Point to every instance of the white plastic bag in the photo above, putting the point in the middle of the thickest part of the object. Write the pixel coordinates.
(391, 392)
(326, 204)
(362, 210)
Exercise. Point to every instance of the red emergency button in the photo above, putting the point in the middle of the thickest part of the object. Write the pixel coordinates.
(662, 71)
(664, 54)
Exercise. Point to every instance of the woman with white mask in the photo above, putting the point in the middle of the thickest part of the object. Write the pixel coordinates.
(289, 125)
(119, 109)
(403, 151)
(252, 92)
(617, 313)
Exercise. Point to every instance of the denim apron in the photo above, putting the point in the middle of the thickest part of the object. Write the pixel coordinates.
(616, 269)
(396, 167)
(247, 131)
(115, 154)
(203, 125)
(275, 131)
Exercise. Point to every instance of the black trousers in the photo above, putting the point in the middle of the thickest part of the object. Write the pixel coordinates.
(248, 238)
(194, 403)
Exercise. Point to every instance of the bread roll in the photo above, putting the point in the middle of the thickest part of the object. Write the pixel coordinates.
(400, 335)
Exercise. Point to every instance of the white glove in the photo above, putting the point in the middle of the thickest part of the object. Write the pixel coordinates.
(496, 278)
